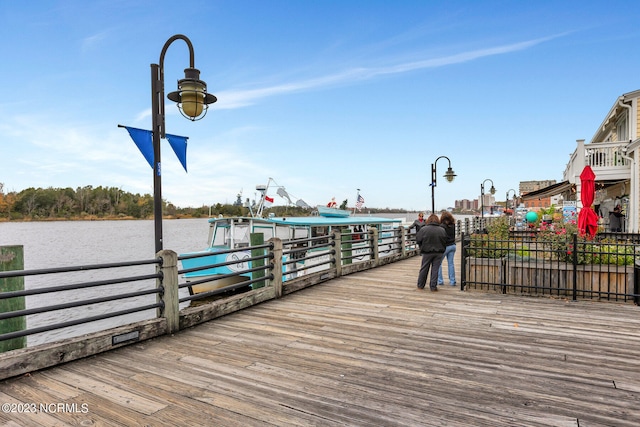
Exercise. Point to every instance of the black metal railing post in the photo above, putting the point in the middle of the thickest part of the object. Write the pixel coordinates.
(636, 282)
(464, 239)
(575, 267)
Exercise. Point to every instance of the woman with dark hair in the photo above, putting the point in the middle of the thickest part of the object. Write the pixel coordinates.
(431, 240)
(449, 224)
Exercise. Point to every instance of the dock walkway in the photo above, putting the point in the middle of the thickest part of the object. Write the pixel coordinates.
(366, 349)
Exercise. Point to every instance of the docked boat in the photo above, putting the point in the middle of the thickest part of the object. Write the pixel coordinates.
(333, 212)
(228, 238)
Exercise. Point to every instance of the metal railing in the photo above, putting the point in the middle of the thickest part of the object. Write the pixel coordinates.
(274, 269)
(562, 266)
(97, 297)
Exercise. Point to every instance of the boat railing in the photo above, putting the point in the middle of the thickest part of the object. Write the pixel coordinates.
(303, 254)
(149, 298)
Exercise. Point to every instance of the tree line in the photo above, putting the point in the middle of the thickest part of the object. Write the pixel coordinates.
(112, 203)
(93, 203)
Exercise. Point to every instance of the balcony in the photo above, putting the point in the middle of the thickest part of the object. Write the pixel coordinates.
(608, 160)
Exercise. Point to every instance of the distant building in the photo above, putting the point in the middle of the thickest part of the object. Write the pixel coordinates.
(542, 202)
(466, 205)
(529, 186)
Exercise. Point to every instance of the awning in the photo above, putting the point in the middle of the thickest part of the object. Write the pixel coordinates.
(552, 190)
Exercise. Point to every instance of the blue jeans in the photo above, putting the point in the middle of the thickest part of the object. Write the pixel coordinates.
(449, 254)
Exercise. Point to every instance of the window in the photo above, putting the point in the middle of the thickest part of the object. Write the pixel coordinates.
(622, 129)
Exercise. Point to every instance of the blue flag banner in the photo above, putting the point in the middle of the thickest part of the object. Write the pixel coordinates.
(179, 145)
(144, 141)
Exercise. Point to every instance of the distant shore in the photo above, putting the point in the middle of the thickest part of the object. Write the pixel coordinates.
(409, 217)
(96, 218)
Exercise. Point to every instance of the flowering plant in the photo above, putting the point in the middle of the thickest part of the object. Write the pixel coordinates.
(557, 238)
(552, 241)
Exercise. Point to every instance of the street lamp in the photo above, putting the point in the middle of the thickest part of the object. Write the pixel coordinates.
(193, 101)
(449, 175)
(492, 191)
(506, 199)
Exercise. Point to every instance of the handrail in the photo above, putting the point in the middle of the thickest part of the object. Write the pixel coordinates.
(282, 271)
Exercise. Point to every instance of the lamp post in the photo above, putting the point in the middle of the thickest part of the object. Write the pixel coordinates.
(492, 191)
(193, 101)
(449, 175)
(506, 199)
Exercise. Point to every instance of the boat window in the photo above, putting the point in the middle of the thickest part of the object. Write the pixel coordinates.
(283, 232)
(267, 231)
(221, 235)
(300, 233)
(318, 232)
(240, 235)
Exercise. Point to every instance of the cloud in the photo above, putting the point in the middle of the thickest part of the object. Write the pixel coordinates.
(241, 98)
(90, 43)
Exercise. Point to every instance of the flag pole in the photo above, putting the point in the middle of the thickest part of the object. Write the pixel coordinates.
(357, 198)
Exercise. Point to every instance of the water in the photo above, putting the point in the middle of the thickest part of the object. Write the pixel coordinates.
(75, 243)
(64, 243)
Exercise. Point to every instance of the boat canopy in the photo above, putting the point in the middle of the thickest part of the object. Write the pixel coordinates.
(312, 220)
(335, 221)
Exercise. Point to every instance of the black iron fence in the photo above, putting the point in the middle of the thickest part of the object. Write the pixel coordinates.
(555, 265)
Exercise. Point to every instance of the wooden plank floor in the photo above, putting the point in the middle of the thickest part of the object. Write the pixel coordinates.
(363, 350)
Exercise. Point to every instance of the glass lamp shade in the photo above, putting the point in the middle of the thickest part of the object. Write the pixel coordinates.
(191, 98)
(450, 175)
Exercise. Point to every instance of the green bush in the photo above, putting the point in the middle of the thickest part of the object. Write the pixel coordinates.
(494, 244)
(606, 253)
(557, 240)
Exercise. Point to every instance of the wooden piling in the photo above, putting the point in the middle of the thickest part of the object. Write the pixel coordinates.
(12, 258)
(257, 239)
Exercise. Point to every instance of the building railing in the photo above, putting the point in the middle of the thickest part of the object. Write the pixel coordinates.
(276, 270)
(608, 160)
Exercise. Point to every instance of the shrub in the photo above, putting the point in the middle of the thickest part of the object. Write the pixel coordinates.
(494, 244)
(557, 240)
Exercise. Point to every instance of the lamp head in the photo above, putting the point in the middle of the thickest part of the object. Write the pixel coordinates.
(192, 97)
(450, 175)
(493, 190)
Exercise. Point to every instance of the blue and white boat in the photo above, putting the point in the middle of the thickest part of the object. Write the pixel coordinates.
(228, 237)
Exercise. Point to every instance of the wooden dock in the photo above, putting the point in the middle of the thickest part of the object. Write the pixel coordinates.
(365, 349)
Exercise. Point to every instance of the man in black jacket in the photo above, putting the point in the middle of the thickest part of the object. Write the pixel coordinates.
(432, 240)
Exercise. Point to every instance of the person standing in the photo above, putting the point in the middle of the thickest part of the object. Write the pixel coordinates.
(449, 224)
(431, 240)
(418, 223)
(615, 219)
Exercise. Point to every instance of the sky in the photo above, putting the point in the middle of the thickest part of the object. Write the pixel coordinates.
(323, 97)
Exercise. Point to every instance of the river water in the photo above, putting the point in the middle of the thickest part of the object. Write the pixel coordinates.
(75, 243)
(53, 244)
(64, 243)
